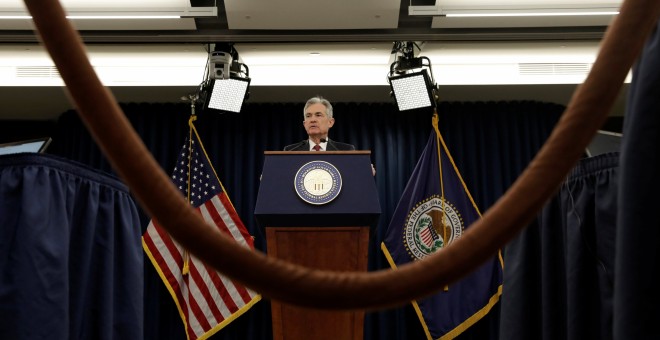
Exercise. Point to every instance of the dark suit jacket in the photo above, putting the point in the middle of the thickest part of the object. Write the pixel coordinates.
(332, 146)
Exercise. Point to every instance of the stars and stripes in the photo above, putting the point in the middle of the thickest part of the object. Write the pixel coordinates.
(207, 301)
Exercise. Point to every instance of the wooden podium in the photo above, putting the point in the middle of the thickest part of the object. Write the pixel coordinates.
(332, 236)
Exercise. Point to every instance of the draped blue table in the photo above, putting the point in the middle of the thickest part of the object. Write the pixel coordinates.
(71, 261)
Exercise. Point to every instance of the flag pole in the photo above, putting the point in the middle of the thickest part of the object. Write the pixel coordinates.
(435, 120)
(193, 117)
(443, 224)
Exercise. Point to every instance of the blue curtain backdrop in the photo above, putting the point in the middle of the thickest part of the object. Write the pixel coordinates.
(71, 263)
(491, 143)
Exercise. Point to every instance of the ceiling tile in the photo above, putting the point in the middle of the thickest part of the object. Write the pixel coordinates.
(312, 14)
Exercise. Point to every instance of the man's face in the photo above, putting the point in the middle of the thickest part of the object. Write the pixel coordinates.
(316, 121)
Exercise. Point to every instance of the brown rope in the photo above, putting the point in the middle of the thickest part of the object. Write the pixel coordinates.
(331, 290)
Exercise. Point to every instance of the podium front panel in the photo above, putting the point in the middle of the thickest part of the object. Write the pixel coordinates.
(336, 249)
(278, 203)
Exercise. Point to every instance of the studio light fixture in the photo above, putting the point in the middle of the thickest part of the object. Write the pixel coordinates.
(411, 78)
(228, 94)
(114, 13)
(411, 90)
(514, 11)
(227, 82)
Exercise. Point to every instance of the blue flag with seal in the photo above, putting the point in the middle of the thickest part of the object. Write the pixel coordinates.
(419, 228)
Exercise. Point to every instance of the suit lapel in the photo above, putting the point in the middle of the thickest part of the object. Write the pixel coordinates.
(330, 146)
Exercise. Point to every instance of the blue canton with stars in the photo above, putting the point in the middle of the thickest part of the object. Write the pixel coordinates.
(203, 182)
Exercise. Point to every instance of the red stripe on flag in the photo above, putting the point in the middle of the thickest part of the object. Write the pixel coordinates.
(173, 251)
(215, 216)
(169, 276)
(242, 291)
(237, 220)
(204, 288)
(198, 314)
(222, 290)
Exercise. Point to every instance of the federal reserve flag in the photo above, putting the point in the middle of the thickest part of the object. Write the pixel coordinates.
(207, 300)
(434, 210)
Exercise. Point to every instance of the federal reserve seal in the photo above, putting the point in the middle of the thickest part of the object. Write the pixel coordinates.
(427, 229)
(318, 182)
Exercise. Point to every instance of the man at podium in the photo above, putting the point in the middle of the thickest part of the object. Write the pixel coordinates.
(317, 121)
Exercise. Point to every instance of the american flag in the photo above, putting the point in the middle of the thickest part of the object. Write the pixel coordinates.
(207, 301)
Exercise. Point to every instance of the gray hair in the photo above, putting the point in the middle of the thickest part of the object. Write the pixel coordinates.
(319, 100)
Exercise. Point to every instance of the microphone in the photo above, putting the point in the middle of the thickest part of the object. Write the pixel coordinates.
(323, 140)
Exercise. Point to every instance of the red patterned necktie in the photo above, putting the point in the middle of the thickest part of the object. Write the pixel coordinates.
(317, 147)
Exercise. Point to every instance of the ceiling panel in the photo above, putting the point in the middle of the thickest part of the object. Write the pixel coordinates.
(540, 3)
(518, 22)
(106, 3)
(127, 6)
(515, 21)
(312, 14)
(111, 25)
(312, 20)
